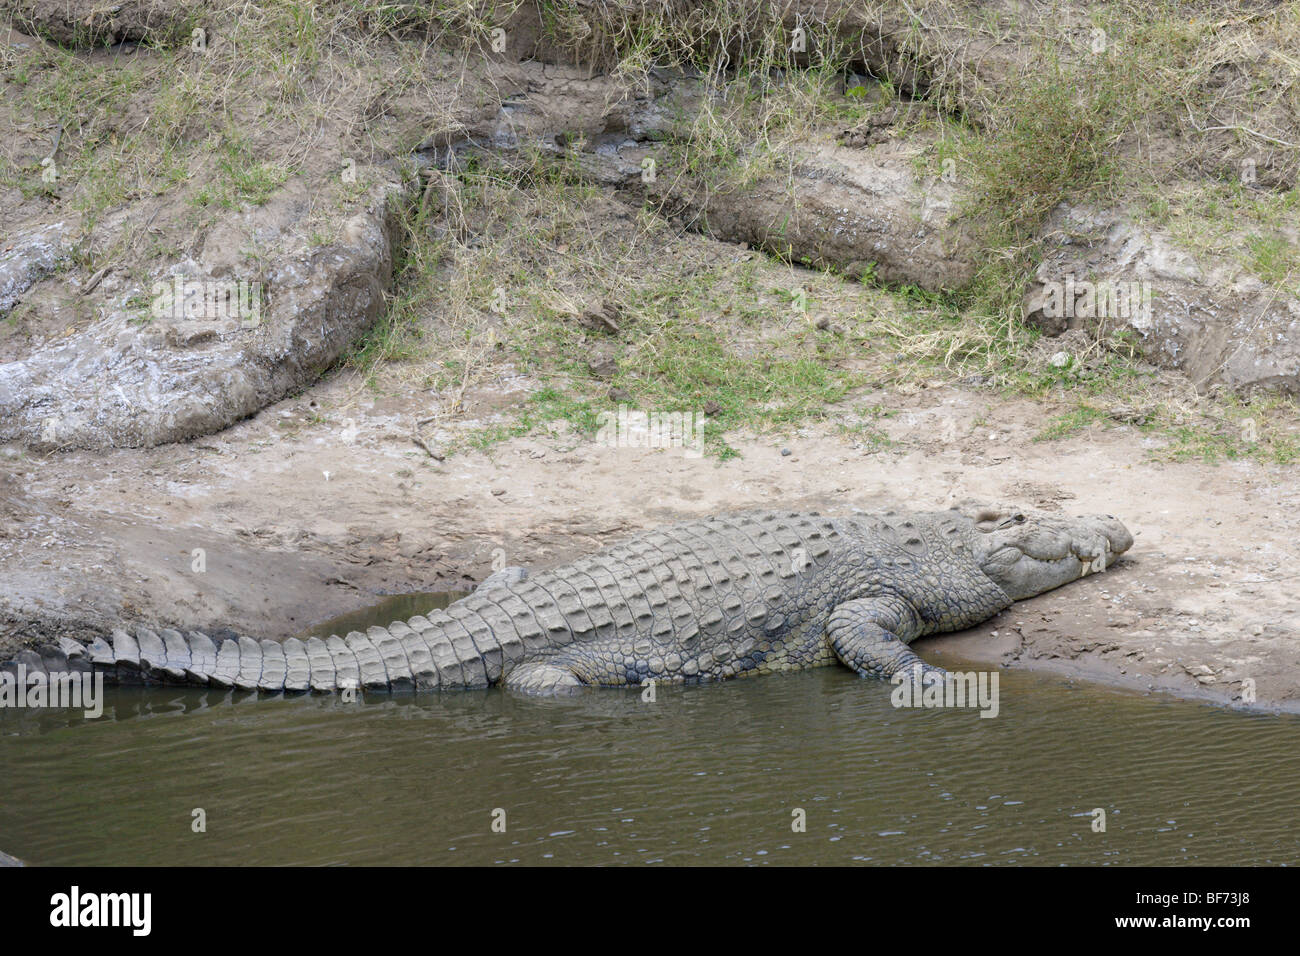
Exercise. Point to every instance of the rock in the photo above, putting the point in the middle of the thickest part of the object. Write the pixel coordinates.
(80, 24)
(876, 208)
(865, 212)
(1202, 316)
(120, 384)
(1130, 416)
(603, 319)
(603, 365)
(28, 257)
(869, 212)
(1201, 672)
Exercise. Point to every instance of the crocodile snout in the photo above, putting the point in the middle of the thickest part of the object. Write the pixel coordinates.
(1103, 534)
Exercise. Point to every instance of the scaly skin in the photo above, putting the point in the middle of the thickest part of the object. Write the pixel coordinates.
(702, 600)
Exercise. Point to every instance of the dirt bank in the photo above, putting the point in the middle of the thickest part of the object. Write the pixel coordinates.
(177, 254)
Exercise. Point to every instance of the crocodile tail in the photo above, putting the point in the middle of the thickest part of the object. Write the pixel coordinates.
(436, 652)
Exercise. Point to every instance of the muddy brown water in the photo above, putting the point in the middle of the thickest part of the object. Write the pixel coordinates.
(704, 774)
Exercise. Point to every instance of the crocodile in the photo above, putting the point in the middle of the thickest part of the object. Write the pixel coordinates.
(726, 596)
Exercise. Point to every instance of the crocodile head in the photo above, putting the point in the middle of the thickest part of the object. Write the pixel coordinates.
(1028, 553)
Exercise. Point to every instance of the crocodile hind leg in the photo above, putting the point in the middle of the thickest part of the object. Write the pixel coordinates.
(870, 635)
(542, 677)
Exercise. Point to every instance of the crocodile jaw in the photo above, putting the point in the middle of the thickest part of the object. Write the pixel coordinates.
(1029, 554)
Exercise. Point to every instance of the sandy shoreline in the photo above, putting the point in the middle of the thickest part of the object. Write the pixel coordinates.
(1204, 602)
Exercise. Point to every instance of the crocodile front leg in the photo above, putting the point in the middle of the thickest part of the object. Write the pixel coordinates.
(871, 635)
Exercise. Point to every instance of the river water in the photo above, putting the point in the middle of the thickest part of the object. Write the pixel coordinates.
(704, 774)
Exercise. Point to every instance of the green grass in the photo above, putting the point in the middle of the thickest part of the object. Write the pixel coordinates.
(1274, 258)
(1055, 140)
(1071, 422)
(538, 413)
(242, 179)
